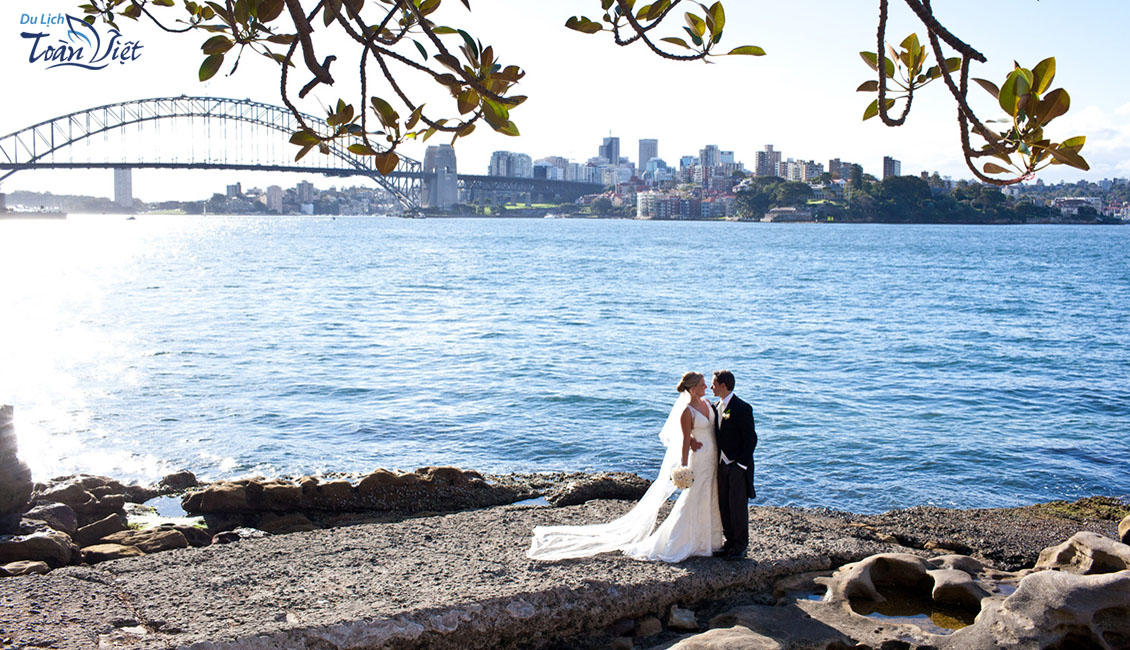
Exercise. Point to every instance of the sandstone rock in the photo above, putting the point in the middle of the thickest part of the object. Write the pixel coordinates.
(648, 626)
(93, 532)
(218, 497)
(335, 496)
(956, 587)
(178, 481)
(196, 537)
(1086, 553)
(1124, 530)
(620, 643)
(281, 524)
(791, 626)
(104, 552)
(1054, 609)
(25, 567)
(732, 638)
(57, 515)
(960, 562)
(859, 579)
(609, 485)
(76, 492)
(15, 477)
(152, 540)
(451, 476)
(283, 497)
(681, 619)
(51, 547)
(622, 627)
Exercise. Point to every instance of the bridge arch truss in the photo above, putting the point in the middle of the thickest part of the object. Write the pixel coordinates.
(221, 133)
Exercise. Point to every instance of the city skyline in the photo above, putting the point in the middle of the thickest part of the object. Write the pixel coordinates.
(581, 88)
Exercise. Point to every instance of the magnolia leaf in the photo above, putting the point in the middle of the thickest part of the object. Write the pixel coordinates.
(467, 101)
(582, 24)
(385, 112)
(872, 110)
(993, 168)
(362, 149)
(216, 45)
(751, 50)
(696, 24)
(269, 10)
(423, 52)
(718, 16)
(1056, 103)
(210, 66)
(509, 128)
(1068, 157)
(1043, 74)
(414, 117)
(386, 162)
(302, 152)
(868, 87)
(677, 41)
(989, 87)
(304, 137)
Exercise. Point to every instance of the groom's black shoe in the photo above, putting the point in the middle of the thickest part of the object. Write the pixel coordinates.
(735, 554)
(722, 552)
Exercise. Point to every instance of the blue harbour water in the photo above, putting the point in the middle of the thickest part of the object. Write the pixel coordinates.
(888, 365)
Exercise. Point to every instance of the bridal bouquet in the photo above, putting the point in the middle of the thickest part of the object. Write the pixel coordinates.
(682, 477)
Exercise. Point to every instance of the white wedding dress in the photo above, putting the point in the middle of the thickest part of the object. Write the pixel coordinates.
(693, 527)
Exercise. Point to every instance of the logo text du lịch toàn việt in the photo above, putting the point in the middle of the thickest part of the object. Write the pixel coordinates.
(72, 42)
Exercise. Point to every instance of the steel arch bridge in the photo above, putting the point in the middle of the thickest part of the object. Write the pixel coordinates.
(191, 133)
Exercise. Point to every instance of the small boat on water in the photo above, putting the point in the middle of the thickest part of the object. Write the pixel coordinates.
(552, 215)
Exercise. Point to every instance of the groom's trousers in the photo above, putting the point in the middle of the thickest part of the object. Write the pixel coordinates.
(733, 504)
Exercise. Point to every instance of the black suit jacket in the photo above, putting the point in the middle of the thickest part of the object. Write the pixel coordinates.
(737, 435)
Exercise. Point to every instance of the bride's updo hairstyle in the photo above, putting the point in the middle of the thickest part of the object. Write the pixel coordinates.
(689, 381)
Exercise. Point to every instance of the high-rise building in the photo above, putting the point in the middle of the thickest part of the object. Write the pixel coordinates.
(768, 162)
(442, 189)
(507, 163)
(275, 198)
(710, 156)
(891, 167)
(610, 150)
(235, 190)
(305, 192)
(648, 149)
(123, 187)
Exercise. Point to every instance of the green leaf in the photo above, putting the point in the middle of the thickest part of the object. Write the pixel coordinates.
(657, 9)
(509, 128)
(281, 39)
(989, 87)
(868, 87)
(582, 24)
(305, 137)
(163, 3)
(210, 66)
(385, 112)
(992, 168)
(751, 50)
(362, 149)
(467, 101)
(302, 152)
(872, 110)
(423, 52)
(1067, 156)
(870, 59)
(676, 41)
(696, 24)
(216, 45)
(718, 14)
(414, 117)
(1074, 144)
(1043, 74)
(470, 42)
(386, 162)
(1015, 85)
(269, 10)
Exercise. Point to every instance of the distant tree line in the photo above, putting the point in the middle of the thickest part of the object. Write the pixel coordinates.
(901, 199)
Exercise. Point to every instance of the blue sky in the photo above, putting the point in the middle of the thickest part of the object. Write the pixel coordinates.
(800, 97)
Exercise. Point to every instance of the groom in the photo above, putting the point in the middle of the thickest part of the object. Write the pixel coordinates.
(737, 439)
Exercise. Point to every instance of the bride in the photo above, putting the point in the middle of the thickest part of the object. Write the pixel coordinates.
(694, 526)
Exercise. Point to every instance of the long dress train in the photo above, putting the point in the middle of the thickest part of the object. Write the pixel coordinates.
(693, 527)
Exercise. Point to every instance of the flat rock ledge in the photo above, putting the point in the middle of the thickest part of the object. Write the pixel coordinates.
(462, 580)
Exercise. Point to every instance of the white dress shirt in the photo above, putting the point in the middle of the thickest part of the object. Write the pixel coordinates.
(722, 404)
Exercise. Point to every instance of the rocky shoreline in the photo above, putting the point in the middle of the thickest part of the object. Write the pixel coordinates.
(436, 559)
